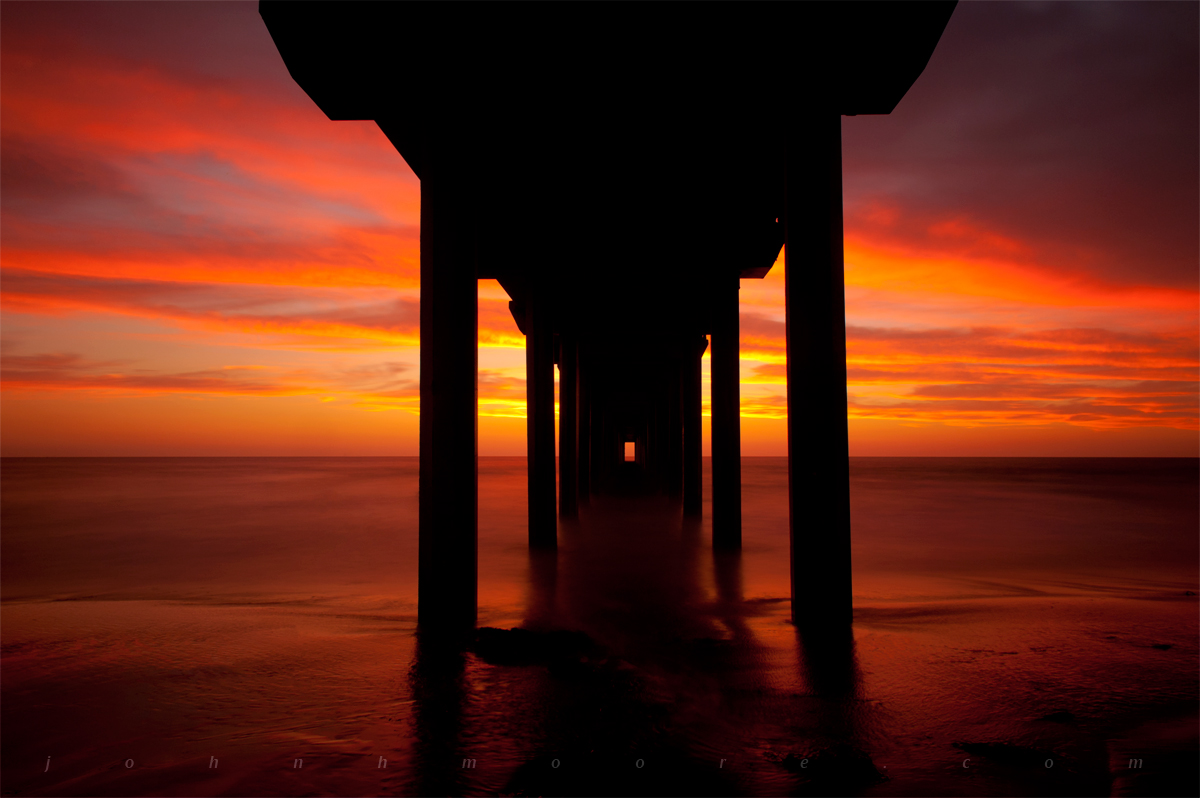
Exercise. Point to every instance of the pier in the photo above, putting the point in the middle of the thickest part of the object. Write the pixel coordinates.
(620, 170)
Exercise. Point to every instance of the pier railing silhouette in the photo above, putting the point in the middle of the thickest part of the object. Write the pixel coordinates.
(619, 168)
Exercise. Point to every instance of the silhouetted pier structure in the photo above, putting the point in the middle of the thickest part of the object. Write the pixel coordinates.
(619, 169)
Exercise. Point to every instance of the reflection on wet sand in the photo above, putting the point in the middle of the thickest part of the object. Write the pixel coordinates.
(638, 672)
(1008, 614)
(439, 689)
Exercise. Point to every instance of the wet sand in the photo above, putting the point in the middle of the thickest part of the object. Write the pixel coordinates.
(1022, 627)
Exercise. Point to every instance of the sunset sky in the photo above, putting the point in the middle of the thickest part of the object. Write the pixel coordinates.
(197, 262)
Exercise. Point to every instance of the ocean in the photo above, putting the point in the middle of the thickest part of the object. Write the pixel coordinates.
(245, 626)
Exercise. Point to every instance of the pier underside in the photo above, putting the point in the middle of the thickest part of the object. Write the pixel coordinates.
(619, 177)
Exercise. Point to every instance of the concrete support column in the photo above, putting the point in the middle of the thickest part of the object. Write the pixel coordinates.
(726, 419)
(584, 438)
(598, 469)
(674, 433)
(539, 393)
(448, 493)
(818, 451)
(651, 459)
(568, 430)
(693, 464)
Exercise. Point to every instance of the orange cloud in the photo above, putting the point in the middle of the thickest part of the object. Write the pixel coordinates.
(232, 211)
(869, 266)
(905, 364)
(388, 382)
(291, 317)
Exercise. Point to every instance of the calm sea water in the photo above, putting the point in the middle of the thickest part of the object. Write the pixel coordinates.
(243, 626)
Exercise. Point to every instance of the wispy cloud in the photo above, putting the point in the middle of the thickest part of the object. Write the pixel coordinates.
(1020, 246)
(391, 384)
